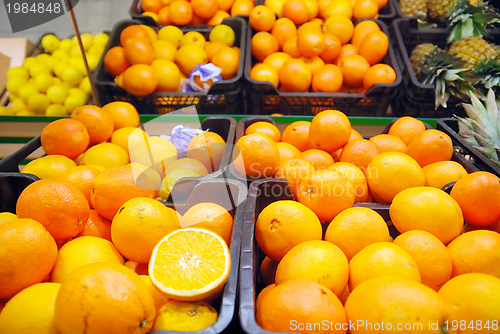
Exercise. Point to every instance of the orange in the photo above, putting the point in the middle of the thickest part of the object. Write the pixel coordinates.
(318, 158)
(295, 75)
(96, 226)
(266, 128)
(28, 254)
(476, 252)
(139, 225)
(381, 3)
(197, 20)
(115, 186)
(212, 47)
(228, 60)
(300, 302)
(139, 80)
(66, 137)
(241, 7)
(314, 63)
(312, 8)
(264, 72)
(262, 18)
(365, 9)
(190, 264)
(430, 255)
(193, 164)
(427, 209)
(276, 60)
(98, 123)
(225, 5)
(381, 259)
(355, 228)
(391, 172)
(256, 155)
(76, 312)
(362, 29)
(138, 51)
(469, 227)
(283, 29)
(294, 170)
(406, 128)
(322, 5)
(338, 7)
(283, 225)
(205, 8)
(332, 48)
(336, 155)
(260, 298)
(355, 135)
(138, 268)
(296, 10)
(374, 47)
(151, 5)
(389, 143)
(316, 260)
(354, 68)
(81, 177)
(396, 302)
(290, 47)
(359, 152)
(134, 31)
(218, 17)
(357, 178)
(115, 61)
(164, 50)
(346, 50)
(210, 216)
(474, 300)
(478, 195)
(430, 146)
(441, 173)
(267, 271)
(163, 16)
(208, 148)
(180, 12)
(263, 44)
(58, 205)
(157, 296)
(330, 130)
(379, 74)
(81, 251)
(287, 151)
(327, 193)
(123, 114)
(297, 134)
(310, 42)
(189, 56)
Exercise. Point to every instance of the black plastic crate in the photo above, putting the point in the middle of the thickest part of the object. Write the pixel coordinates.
(261, 194)
(464, 150)
(12, 185)
(136, 14)
(408, 35)
(224, 97)
(265, 99)
(223, 126)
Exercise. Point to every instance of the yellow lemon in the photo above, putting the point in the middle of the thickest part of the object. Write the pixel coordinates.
(49, 167)
(105, 155)
(185, 316)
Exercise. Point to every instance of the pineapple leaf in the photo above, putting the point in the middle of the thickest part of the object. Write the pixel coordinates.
(492, 108)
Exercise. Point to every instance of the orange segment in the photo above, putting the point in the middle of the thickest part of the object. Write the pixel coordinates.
(190, 264)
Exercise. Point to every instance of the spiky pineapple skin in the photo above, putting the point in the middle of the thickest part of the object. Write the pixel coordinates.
(418, 55)
(413, 7)
(497, 49)
(437, 9)
(472, 50)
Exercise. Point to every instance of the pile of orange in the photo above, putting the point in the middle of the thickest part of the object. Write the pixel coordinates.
(147, 61)
(436, 270)
(330, 55)
(183, 12)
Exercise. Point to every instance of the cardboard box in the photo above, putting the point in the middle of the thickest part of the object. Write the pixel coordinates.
(13, 51)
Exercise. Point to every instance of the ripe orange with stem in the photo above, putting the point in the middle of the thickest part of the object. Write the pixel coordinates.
(262, 18)
(310, 43)
(354, 68)
(263, 44)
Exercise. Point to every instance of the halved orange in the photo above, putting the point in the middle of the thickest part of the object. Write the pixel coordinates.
(190, 264)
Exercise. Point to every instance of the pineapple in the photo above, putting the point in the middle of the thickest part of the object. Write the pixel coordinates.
(437, 9)
(489, 72)
(413, 7)
(419, 55)
(472, 50)
(482, 128)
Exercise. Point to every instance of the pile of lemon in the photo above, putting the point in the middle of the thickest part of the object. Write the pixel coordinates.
(53, 83)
